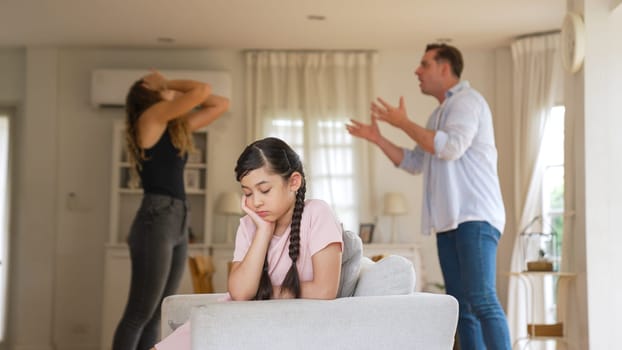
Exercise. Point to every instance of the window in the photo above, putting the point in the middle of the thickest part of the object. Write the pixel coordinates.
(552, 156)
(328, 156)
(553, 178)
(306, 98)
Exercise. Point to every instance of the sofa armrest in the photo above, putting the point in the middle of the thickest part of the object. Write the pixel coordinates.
(176, 309)
(417, 321)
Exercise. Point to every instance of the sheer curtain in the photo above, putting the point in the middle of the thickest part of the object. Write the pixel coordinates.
(306, 98)
(536, 77)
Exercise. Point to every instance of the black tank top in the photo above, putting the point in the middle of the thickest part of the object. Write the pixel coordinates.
(163, 170)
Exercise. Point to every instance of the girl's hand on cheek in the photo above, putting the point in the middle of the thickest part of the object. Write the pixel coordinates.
(262, 225)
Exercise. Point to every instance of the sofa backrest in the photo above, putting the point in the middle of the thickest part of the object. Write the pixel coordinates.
(419, 321)
(350, 263)
(392, 275)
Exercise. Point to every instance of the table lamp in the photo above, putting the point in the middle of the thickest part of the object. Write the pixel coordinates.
(229, 206)
(394, 205)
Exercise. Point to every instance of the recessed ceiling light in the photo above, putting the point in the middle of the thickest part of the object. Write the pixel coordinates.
(316, 17)
(165, 40)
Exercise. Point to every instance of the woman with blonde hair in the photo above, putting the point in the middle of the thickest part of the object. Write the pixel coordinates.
(161, 115)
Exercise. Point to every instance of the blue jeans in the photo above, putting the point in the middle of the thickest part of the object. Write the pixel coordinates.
(158, 244)
(468, 260)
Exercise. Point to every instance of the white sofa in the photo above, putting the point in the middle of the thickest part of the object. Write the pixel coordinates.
(378, 309)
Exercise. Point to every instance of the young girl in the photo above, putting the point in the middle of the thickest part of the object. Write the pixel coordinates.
(285, 247)
(161, 115)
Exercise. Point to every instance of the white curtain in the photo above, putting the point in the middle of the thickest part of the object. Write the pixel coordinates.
(536, 77)
(306, 98)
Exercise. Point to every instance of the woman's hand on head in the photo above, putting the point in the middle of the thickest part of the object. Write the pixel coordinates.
(262, 225)
(154, 81)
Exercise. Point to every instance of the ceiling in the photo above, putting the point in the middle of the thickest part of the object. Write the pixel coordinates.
(273, 24)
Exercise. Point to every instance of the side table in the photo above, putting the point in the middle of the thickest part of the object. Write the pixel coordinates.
(545, 331)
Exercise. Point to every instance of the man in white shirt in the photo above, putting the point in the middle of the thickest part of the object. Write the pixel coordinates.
(462, 201)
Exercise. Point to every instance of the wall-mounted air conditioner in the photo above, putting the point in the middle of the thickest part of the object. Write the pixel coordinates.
(109, 86)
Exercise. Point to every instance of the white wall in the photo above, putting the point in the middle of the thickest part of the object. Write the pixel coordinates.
(34, 228)
(12, 72)
(65, 145)
(592, 97)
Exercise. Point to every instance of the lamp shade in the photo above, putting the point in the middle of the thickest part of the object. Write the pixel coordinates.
(394, 204)
(229, 204)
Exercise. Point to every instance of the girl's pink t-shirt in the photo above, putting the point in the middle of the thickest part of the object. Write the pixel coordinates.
(318, 228)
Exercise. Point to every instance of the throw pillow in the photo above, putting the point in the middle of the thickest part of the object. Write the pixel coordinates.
(350, 263)
(392, 275)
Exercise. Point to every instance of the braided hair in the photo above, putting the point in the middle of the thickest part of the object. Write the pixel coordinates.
(280, 159)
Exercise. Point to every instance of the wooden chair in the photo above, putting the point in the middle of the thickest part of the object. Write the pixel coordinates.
(201, 270)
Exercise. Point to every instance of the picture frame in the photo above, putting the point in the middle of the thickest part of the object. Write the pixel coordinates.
(192, 181)
(366, 232)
